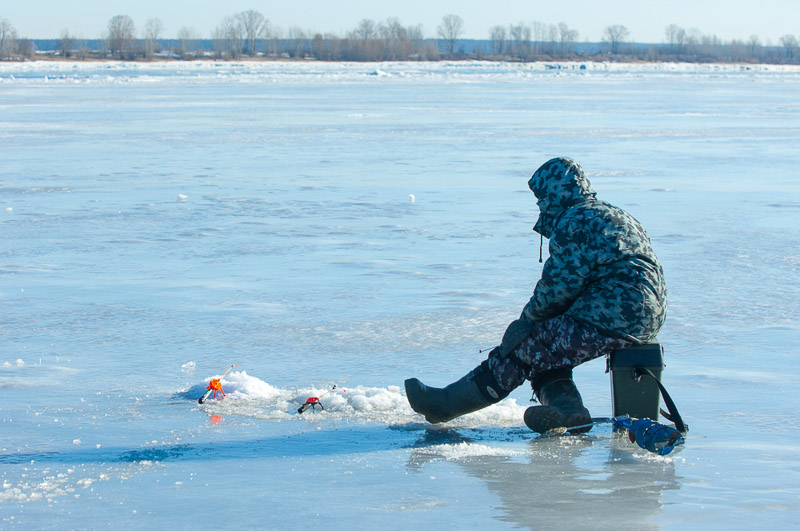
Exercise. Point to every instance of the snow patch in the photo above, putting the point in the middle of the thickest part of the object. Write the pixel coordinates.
(250, 396)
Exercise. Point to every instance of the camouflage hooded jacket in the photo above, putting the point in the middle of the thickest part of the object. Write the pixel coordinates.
(601, 269)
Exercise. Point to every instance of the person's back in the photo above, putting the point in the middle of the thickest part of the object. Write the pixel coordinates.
(602, 269)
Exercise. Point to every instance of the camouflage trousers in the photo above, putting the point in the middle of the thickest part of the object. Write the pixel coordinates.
(560, 342)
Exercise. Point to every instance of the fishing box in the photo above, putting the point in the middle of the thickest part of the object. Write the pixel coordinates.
(633, 392)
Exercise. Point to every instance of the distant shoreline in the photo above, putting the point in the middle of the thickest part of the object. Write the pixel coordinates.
(334, 49)
(599, 59)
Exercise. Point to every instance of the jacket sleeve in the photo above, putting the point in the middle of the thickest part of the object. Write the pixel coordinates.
(565, 275)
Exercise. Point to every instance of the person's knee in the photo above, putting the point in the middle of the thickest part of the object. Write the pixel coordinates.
(516, 332)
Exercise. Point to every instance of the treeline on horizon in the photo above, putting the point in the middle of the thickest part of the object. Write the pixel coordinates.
(249, 34)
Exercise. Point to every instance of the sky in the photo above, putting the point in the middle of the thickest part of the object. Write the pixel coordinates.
(645, 19)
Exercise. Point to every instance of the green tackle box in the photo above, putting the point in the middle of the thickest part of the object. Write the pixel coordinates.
(632, 391)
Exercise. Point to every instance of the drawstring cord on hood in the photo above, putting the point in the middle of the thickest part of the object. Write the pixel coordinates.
(541, 236)
(558, 184)
(541, 244)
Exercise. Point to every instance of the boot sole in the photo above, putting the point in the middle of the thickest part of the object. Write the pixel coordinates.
(543, 419)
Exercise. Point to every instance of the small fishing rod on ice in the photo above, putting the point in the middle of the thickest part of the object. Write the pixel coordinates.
(215, 385)
(313, 401)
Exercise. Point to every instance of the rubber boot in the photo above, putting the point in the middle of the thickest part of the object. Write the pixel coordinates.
(474, 391)
(561, 404)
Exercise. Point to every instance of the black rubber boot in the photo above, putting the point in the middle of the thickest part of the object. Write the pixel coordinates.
(474, 391)
(561, 404)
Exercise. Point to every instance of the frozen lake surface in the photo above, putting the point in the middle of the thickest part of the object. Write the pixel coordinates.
(359, 224)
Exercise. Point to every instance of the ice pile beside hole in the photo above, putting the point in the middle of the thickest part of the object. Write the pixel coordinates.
(250, 396)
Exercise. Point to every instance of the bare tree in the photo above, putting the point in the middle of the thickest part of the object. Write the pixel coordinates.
(363, 44)
(66, 44)
(498, 36)
(272, 36)
(416, 40)
(26, 48)
(395, 42)
(187, 42)
(615, 36)
(754, 46)
(693, 40)
(81, 47)
(121, 36)
(365, 30)
(8, 39)
(153, 31)
(297, 41)
(538, 42)
(252, 23)
(789, 42)
(737, 50)
(552, 39)
(675, 36)
(710, 46)
(219, 42)
(333, 50)
(392, 30)
(450, 30)
(318, 47)
(227, 38)
(568, 37)
(521, 35)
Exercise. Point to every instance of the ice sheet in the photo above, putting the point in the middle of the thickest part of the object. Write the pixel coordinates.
(162, 221)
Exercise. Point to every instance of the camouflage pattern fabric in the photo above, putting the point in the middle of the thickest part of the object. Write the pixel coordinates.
(553, 344)
(602, 269)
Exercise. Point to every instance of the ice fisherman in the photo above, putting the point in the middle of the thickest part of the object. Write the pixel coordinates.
(602, 289)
